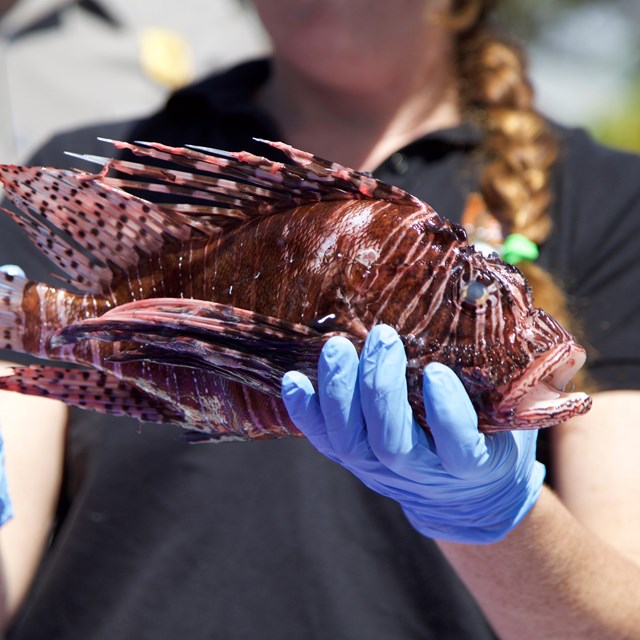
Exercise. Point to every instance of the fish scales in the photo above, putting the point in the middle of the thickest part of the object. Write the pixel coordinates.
(190, 309)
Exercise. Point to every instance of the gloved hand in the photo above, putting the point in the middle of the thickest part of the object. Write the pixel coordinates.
(6, 508)
(453, 484)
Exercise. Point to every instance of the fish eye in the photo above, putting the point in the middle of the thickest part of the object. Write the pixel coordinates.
(474, 293)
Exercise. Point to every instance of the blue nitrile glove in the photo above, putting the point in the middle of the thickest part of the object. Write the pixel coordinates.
(6, 508)
(455, 484)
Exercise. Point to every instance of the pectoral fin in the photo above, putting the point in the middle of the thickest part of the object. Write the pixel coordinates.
(240, 345)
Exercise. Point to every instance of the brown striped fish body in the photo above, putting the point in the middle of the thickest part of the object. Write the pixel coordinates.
(189, 310)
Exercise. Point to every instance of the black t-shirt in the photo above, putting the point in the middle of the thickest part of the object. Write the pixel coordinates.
(159, 539)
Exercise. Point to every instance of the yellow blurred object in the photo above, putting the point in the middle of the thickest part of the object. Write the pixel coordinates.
(621, 127)
(166, 57)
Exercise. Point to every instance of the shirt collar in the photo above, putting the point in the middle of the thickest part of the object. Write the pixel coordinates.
(228, 92)
(466, 134)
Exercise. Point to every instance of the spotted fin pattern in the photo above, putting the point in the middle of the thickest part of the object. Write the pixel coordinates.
(89, 390)
(91, 230)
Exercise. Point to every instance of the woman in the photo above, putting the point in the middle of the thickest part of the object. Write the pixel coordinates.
(269, 539)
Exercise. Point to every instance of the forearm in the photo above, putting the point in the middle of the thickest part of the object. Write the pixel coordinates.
(34, 430)
(551, 578)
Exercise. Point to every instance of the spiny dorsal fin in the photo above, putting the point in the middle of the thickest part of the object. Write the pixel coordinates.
(241, 185)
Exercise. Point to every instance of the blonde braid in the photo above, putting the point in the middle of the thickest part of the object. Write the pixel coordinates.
(519, 148)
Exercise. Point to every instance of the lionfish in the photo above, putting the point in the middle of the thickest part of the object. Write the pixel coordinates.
(189, 310)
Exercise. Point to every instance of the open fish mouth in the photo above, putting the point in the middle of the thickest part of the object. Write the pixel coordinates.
(541, 397)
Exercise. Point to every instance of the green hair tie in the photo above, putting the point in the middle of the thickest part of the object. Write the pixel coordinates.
(517, 248)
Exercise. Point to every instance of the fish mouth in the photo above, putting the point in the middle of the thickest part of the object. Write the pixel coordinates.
(542, 396)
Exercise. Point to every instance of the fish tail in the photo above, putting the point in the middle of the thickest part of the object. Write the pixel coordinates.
(88, 389)
(12, 320)
(31, 312)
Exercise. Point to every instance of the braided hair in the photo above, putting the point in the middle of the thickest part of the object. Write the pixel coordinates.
(519, 145)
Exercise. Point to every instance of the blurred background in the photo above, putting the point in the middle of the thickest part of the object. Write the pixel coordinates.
(68, 63)
(585, 61)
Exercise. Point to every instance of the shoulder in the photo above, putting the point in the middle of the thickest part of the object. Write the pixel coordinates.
(596, 202)
(593, 250)
(219, 111)
(589, 171)
(225, 88)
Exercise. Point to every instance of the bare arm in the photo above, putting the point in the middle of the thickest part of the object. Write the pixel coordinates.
(33, 431)
(569, 572)
(598, 472)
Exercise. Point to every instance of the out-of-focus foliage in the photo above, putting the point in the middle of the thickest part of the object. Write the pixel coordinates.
(530, 17)
(527, 18)
(586, 56)
(621, 127)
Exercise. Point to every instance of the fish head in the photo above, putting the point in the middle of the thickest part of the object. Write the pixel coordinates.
(515, 360)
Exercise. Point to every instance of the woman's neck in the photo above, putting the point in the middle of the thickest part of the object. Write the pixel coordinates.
(359, 130)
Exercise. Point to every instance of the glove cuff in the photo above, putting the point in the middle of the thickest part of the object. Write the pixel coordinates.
(500, 514)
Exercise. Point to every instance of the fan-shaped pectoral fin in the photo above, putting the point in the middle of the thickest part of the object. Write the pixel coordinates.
(237, 344)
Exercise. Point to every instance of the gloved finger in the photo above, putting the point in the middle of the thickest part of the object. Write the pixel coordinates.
(302, 405)
(6, 507)
(395, 438)
(453, 422)
(12, 270)
(339, 395)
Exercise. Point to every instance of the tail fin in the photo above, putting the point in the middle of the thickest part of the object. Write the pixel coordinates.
(32, 312)
(12, 319)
